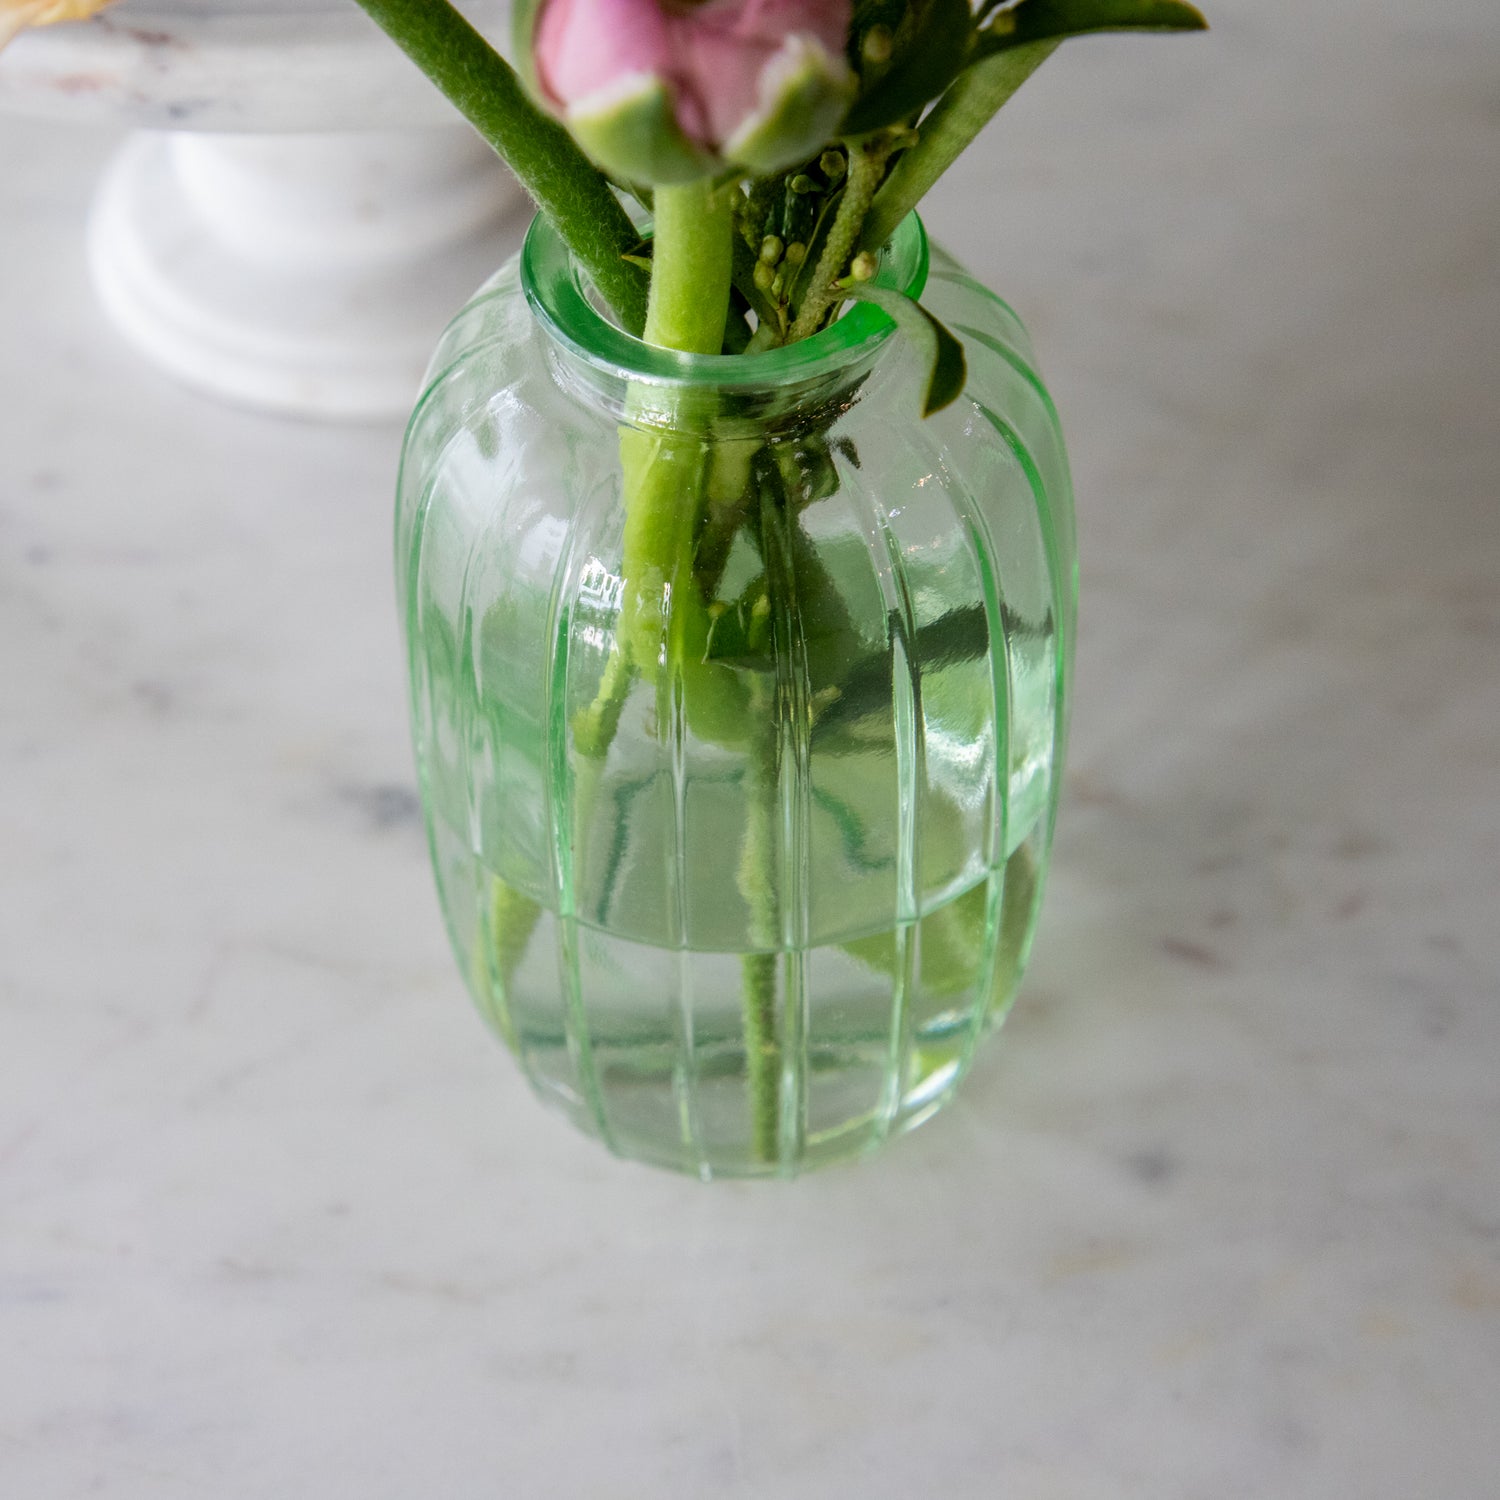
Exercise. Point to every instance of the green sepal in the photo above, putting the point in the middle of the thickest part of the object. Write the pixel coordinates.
(1045, 20)
(810, 100)
(929, 56)
(636, 136)
(523, 16)
(953, 938)
(945, 371)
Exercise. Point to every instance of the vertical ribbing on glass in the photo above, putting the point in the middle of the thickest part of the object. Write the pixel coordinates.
(794, 804)
(911, 781)
(1052, 495)
(423, 688)
(1033, 411)
(982, 540)
(478, 774)
(1057, 584)
(560, 810)
(685, 1066)
(467, 689)
(1061, 581)
(466, 696)
(1052, 509)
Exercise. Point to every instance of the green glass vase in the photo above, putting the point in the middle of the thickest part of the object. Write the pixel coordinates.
(739, 695)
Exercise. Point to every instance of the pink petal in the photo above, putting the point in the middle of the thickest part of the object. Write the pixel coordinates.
(582, 46)
(711, 55)
(721, 48)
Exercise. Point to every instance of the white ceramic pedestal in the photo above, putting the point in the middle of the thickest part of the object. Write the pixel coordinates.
(258, 239)
(305, 274)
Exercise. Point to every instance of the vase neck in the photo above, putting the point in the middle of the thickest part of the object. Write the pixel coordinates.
(652, 386)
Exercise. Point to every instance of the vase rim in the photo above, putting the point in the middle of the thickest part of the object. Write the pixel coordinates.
(555, 291)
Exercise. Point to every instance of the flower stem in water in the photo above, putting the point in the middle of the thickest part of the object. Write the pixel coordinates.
(759, 969)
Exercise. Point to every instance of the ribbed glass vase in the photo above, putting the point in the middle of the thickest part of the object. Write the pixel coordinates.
(738, 693)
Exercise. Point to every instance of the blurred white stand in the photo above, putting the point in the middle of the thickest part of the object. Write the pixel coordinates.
(307, 274)
(258, 238)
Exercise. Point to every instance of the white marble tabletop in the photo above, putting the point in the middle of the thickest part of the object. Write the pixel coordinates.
(1218, 1215)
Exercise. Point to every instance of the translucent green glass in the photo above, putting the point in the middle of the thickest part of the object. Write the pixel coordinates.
(738, 693)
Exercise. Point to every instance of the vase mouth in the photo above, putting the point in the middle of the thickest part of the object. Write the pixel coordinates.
(560, 299)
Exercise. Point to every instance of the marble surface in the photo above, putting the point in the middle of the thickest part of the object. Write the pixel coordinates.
(227, 65)
(299, 210)
(1217, 1215)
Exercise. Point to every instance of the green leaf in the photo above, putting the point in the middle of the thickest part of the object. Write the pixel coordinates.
(952, 942)
(928, 58)
(968, 106)
(1044, 20)
(946, 370)
(865, 685)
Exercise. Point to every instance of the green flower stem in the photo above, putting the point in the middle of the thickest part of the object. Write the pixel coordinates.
(762, 1050)
(758, 970)
(968, 106)
(665, 471)
(570, 191)
(728, 499)
(670, 480)
(666, 478)
(866, 165)
(690, 259)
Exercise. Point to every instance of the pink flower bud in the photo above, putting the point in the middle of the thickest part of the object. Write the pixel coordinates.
(666, 90)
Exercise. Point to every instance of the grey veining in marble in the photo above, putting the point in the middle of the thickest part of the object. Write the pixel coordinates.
(1218, 1215)
(227, 65)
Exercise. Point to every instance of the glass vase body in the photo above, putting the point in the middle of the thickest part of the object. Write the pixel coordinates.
(738, 693)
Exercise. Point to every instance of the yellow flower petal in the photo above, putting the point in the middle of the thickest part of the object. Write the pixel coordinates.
(17, 15)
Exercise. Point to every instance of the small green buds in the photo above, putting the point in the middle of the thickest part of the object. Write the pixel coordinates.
(878, 45)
